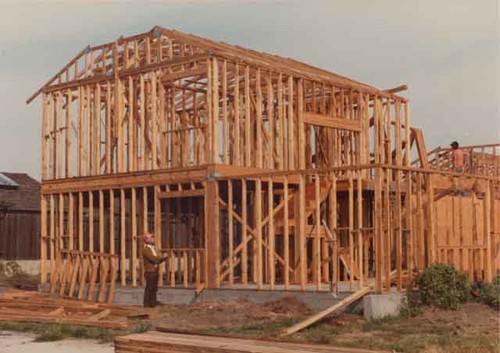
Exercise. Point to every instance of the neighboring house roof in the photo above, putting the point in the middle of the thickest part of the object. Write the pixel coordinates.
(19, 192)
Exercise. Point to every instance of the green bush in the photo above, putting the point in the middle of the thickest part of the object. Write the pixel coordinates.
(442, 286)
(488, 293)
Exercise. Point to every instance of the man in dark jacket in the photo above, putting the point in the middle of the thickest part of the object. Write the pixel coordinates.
(152, 259)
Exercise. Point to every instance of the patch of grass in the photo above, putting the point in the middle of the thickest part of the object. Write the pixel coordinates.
(56, 332)
(376, 324)
(257, 329)
(419, 343)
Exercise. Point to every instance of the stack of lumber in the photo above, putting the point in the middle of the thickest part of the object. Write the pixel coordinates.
(37, 307)
(159, 342)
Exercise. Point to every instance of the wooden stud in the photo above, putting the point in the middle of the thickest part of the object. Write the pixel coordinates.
(271, 235)
(258, 121)
(80, 221)
(236, 109)
(317, 238)
(230, 207)
(134, 240)
(258, 233)
(351, 234)
(123, 206)
(43, 240)
(286, 235)
(244, 233)
(101, 221)
(359, 201)
(91, 221)
(247, 142)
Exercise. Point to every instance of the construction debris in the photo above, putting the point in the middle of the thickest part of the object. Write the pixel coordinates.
(42, 308)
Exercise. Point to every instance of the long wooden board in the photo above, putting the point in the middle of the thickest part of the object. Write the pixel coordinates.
(174, 342)
(342, 304)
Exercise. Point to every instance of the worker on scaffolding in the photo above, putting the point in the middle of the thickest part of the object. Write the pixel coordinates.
(152, 259)
(457, 157)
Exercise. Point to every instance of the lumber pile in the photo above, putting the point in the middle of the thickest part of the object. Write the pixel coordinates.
(159, 342)
(42, 308)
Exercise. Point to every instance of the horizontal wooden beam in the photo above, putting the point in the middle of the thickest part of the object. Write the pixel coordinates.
(181, 193)
(332, 122)
(124, 73)
(125, 180)
(183, 74)
(396, 89)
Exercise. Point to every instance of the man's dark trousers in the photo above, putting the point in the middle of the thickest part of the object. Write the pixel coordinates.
(151, 289)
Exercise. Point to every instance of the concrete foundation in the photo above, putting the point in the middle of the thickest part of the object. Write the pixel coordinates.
(313, 300)
(377, 306)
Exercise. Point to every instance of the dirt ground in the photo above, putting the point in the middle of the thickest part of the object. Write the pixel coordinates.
(475, 328)
(218, 315)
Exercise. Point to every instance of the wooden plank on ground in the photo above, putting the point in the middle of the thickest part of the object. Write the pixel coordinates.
(338, 306)
(154, 341)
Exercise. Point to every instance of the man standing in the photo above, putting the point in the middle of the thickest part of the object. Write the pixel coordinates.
(152, 259)
(457, 157)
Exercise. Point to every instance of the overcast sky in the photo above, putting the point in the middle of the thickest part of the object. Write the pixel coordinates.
(446, 51)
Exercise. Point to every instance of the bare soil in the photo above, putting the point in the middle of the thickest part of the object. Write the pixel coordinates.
(218, 314)
(474, 328)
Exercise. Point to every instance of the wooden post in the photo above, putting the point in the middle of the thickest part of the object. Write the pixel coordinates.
(237, 130)
(359, 202)
(225, 139)
(270, 117)
(142, 122)
(271, 238)
(332, 223)
(291, 139)
(45, 134)
(258, 231)
(215, 110)
(111, 222)
(258, 121)
(101, 221)
(69, 135)
(154, 122)
(430, 219)
(248, 144)
(282, 152)
(301, 128)
(212, 233)
(488, 200)
(158, 230)
(351, 234)
(133, 215)
(97, 123)
(43, 240)
(80, 221)
(91, 221)
(123, 270)
(109, 141)
(230, 210)
(301, 233)
(378, 231)
(286, 235)
(244, 232)
(71, 210)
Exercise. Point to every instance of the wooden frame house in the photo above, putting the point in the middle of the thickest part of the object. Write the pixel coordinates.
(252, 170)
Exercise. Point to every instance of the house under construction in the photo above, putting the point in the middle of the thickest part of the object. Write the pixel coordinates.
(252, 170)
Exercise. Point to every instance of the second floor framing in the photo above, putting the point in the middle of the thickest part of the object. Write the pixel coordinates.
(164, 100)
